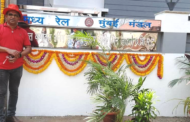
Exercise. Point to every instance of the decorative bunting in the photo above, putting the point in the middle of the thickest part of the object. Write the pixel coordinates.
(115, 59)
(72, 63)
(38, 63)
(37, 55)
(144, 66)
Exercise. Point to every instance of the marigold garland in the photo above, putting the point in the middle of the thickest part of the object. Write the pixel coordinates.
(38, 65)
(36, 56)
(119, 62)
(144, 68)
(71, 55)
(160, 67)
(115, 58)
(103, 59)
(69, 67)
(71, 59)
(141, 61)
(72, 63)
(2, 8)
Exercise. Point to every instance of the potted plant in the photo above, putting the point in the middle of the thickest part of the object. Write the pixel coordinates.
(143, 110)
(185, 62)
(110, 89)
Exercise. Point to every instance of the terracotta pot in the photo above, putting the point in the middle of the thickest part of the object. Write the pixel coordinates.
(110, 117)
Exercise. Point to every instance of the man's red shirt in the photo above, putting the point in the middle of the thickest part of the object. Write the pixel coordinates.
(14, 39)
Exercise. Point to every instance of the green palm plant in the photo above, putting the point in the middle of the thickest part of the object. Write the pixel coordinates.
(111, 89)
(185, 103)
(185, 62)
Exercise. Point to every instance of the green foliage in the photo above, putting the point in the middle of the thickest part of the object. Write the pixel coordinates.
(87, 38)
(53, 41)
(185, 62)
(186, 104)
(143, 109)
(111, 89)
(185, 65)
(137, 90)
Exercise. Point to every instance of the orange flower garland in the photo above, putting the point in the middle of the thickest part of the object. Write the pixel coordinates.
(160, 66)
(75, 58)
(115, 58)
(72, 68)
(37, 55)
(36, 66)
(2, 15)
(72, 63)
(119, 62)
(71, 55)
(142, 61)
(146, 67)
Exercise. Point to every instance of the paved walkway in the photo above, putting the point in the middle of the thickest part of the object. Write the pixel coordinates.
(81, 119)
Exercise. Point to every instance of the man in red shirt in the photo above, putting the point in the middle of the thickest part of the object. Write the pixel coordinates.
(12, 41)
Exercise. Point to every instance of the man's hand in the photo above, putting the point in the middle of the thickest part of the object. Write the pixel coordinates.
(11, 58)
(14, 53)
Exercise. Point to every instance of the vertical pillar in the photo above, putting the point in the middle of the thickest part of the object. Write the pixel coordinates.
(174, 28)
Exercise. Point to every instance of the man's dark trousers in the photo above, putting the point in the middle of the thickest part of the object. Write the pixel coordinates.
(12, 76)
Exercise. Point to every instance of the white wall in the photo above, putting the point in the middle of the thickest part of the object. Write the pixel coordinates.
(53, 93)
(172, 21)
(79, 4)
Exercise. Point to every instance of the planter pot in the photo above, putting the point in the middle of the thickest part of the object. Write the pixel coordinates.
(110, 117)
